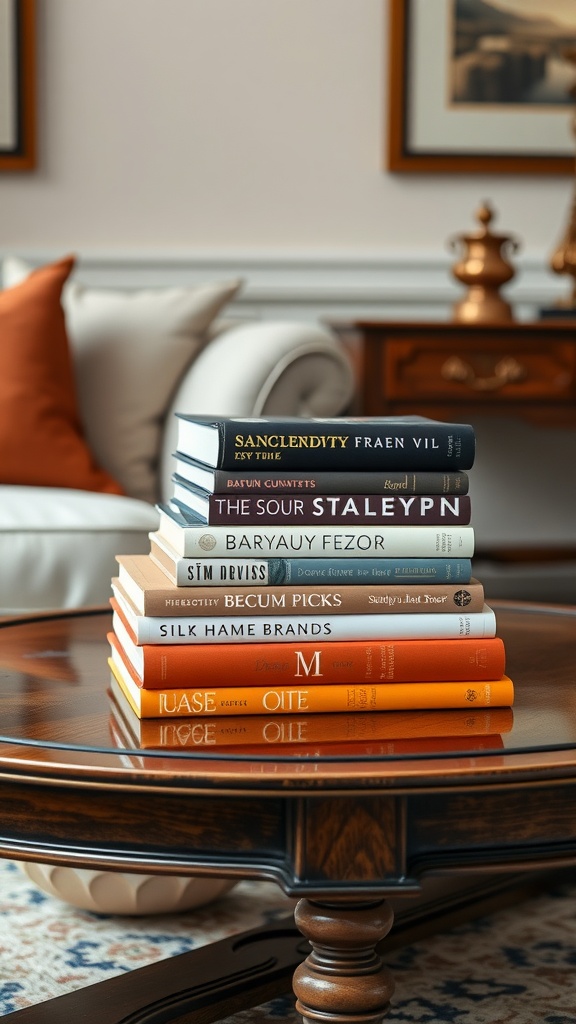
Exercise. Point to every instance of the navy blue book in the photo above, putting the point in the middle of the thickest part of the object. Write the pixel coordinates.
(359, 443)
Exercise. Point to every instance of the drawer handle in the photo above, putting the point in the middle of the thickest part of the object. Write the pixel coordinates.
(506, 371)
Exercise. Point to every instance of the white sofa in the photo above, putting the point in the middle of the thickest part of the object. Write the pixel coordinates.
(58, 544)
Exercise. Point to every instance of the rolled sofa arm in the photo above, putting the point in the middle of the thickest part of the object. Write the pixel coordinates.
(262, 368)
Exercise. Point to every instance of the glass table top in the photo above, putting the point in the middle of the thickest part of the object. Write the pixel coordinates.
(57, 704)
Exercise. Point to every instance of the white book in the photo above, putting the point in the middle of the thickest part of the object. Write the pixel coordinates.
(251, 572)
(192, 539)
(219, 572)
(205, 629)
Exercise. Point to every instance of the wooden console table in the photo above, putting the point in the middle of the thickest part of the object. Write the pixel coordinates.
(453, 371)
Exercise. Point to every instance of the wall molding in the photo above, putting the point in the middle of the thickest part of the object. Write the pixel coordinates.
(314, 284)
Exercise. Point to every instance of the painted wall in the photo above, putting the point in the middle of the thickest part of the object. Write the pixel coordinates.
(183, 138)
(246, 124)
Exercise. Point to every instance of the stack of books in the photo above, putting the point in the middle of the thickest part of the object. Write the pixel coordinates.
(305, 567)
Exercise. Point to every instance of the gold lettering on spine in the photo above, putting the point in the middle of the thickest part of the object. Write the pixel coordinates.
(330, 441)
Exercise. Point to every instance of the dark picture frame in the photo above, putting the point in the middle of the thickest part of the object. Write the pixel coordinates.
(17, 85)
(482, 153)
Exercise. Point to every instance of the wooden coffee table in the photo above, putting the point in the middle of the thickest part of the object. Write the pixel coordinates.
(344, 834)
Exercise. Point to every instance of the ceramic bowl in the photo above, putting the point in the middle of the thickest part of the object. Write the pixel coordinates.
(121, 892)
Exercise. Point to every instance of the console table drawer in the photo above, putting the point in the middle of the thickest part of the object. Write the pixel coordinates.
(450, 370)
(432, 371)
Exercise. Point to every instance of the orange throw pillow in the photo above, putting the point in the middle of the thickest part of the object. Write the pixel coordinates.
(41, 439)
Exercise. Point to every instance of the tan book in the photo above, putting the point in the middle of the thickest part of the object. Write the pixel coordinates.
(150, 591)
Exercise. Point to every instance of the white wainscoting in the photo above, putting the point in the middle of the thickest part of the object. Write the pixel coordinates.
(327, 285)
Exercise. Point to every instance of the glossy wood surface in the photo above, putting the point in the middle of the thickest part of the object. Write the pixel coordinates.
(56, 716)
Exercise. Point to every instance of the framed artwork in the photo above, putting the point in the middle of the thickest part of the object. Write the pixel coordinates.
(482, 86)
(17, 85)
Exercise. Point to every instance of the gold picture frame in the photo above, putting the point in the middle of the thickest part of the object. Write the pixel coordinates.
(17, 85)
(466, 137)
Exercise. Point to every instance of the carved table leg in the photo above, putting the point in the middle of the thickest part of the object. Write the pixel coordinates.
(343, 980)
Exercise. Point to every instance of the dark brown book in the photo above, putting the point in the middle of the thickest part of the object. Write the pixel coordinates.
(221, 481)
(315, 509)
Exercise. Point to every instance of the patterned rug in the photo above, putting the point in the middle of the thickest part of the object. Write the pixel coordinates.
(517, 966)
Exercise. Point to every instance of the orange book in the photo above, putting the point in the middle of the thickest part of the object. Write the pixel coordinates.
(328, 661)
(278, 700)
(379, 733)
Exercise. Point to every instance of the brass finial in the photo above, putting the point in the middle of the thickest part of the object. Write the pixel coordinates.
(485, 214)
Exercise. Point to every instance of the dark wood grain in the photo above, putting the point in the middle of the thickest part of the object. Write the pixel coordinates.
(342, 834)
(403, 367)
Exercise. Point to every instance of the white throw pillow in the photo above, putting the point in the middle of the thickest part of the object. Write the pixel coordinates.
(130, 351)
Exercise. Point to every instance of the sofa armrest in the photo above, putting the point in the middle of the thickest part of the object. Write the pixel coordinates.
(262, 368)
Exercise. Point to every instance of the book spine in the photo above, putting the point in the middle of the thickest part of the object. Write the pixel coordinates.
(317, 541)
(335, 483)
(326, 662)
(347, 445)
(363, 599)
(308, 628)
(336, 509)
(311, 700)
(222, 572)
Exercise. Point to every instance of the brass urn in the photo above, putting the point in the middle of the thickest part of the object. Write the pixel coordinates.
(483, 267)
